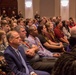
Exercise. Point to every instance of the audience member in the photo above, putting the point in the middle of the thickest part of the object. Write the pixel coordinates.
(60, 35)
(5, 26)
(13, 15)
(4, 15)
(72, 23)
(50, 29)
(19, 15)
(3, 41)
(66, 29)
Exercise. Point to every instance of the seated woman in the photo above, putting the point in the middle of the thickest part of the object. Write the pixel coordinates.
(66, 29)
(46, 42)
(60, 35)
(50, 28)
(3, 41)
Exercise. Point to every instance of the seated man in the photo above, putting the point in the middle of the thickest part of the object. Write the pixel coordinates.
(16, 58)
(32, 50)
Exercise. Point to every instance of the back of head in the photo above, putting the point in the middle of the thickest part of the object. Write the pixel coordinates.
(72, 41)
(39, 28)
(65, 65)
(30, 29)
(17, 28)
(3, 23)
(57, 23)
(73, 36)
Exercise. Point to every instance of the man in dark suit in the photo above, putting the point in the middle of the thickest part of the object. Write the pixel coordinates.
(16, 58)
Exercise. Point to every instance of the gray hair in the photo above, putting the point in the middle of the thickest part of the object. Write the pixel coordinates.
(17, 28)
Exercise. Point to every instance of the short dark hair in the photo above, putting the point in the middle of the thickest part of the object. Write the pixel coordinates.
(57, 23)
(31, 28)
(39, 28)
(72, 41)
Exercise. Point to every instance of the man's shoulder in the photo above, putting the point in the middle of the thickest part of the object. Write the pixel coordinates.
(7, 49)
(30, 38)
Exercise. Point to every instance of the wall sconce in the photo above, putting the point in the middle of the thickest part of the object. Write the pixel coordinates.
(28, 4)
(64, 3)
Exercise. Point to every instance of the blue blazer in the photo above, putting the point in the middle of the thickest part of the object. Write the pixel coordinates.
(14, 62)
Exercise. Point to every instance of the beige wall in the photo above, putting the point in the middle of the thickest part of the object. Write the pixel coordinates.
(72, 9)
(21, 6)
(48, 8)
(36, 6)
(57, 8)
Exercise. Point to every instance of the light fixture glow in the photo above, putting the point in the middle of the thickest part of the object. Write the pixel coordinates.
(28, 4)
(64, 3)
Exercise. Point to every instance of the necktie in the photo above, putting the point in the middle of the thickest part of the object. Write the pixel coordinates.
(23, 62)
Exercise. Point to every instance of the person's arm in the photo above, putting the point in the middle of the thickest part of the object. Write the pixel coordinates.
(34, 47)
(46, 44)
(53, 43)
(60, 37)
(64, 40)
(32, 51)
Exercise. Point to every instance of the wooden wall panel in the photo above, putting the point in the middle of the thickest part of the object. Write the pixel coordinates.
(9, 6)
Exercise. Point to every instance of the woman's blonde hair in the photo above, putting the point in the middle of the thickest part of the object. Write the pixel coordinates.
(2, 32)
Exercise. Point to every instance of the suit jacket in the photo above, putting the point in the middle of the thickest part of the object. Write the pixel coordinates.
(14, 62)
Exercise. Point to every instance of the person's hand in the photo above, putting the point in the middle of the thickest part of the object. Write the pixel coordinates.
(34, 74)
(34, 46)
(61, 45)
(30, 52)
(56, 55)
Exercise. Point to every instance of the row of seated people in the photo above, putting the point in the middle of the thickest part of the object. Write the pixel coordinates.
(65, 60)
(39, 48)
